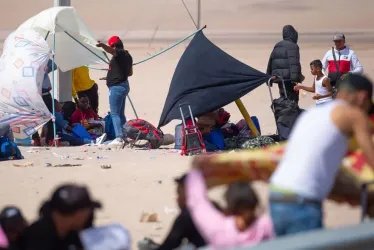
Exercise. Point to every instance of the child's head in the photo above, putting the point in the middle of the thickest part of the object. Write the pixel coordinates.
(181, 198)
(316, 67)
(84, 103)
(242, 202)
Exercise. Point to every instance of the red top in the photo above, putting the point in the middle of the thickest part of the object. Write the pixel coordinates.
(79, 116)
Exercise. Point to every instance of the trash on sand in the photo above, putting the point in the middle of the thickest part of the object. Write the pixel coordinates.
(157, 182)
(157, 227)
(106, 166)
(32, 151)
(146, 217)
(169, 210)
(63, 165)
(101, 157)
(23, 165)
(60, 156)
(78, 158)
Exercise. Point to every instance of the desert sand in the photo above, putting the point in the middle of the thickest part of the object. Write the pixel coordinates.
(142, 181)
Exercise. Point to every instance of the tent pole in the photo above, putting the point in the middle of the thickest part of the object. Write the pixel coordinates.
(53, 88)
(247, 117)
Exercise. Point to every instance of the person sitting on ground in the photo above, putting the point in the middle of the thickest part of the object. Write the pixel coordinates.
(13, 224)
(6, 131)
(321, 84)
(64, 131)
(84, 115)
(183, 226)
(70, 207)
(84, 86)
(239, 226)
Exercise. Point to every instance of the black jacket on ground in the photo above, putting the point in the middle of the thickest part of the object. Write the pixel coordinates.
(284, 60)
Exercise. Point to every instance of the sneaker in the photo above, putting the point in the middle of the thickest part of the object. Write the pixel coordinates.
(101, 139)
(117, 142)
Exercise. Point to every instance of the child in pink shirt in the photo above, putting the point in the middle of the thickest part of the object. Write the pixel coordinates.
(240, 227)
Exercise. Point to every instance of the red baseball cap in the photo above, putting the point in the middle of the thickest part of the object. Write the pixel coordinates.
(113, 40)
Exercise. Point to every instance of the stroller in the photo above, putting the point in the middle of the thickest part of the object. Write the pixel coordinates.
(285, 111)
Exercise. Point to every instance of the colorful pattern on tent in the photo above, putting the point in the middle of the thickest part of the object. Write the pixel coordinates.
(22, 68)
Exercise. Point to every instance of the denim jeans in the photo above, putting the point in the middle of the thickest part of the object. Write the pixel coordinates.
(72, 140)
(290, 218)
(117, 102)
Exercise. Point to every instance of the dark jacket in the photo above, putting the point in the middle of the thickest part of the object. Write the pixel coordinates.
(284, 60)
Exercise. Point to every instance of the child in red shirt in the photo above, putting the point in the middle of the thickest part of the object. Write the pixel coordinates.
(84, 114)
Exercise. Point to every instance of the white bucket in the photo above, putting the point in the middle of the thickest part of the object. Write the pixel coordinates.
(178, 136)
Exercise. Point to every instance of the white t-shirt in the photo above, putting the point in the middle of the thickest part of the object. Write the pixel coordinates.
(313, 154)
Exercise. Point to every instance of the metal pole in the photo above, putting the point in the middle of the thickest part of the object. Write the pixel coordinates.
(198, 14)
(63, 90)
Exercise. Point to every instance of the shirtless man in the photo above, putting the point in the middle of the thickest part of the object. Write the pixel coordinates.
(313, 155)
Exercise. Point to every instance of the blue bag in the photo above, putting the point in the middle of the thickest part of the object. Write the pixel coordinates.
(109, 128)
(81, 132)
(215, 137)
(9, 150)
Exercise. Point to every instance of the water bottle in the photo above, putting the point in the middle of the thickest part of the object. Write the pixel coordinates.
(178, 136)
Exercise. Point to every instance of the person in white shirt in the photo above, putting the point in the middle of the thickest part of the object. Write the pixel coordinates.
(321, 84)
(340, 61)
(313, 155)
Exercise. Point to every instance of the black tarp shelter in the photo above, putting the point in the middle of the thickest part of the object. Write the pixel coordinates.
(208, 78)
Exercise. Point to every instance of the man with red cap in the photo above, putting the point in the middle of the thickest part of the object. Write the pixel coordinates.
(120, 68)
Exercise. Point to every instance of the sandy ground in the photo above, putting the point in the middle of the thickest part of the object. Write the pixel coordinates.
(141, 181)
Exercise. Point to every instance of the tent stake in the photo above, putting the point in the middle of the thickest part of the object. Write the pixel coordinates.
(247, 117)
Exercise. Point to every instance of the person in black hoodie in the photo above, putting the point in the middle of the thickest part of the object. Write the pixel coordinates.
(284, 61)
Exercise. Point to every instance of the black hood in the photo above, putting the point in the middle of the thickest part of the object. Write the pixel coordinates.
(290, 34)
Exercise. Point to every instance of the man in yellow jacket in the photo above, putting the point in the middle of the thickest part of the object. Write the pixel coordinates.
(83, 85)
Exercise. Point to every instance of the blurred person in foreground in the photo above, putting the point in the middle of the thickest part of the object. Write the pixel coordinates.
(313, 155)
(183, 227)
(239, 225)
(284, 61)
(13, 224)
(120, 69)
(62, 217)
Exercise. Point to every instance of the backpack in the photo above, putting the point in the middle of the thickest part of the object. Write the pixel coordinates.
(139, 129)
(9, 150)
(109, 127)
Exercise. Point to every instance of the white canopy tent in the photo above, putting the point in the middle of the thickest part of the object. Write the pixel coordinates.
(75, 45)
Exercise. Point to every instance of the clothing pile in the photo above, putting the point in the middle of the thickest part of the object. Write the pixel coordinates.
(251, 142)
